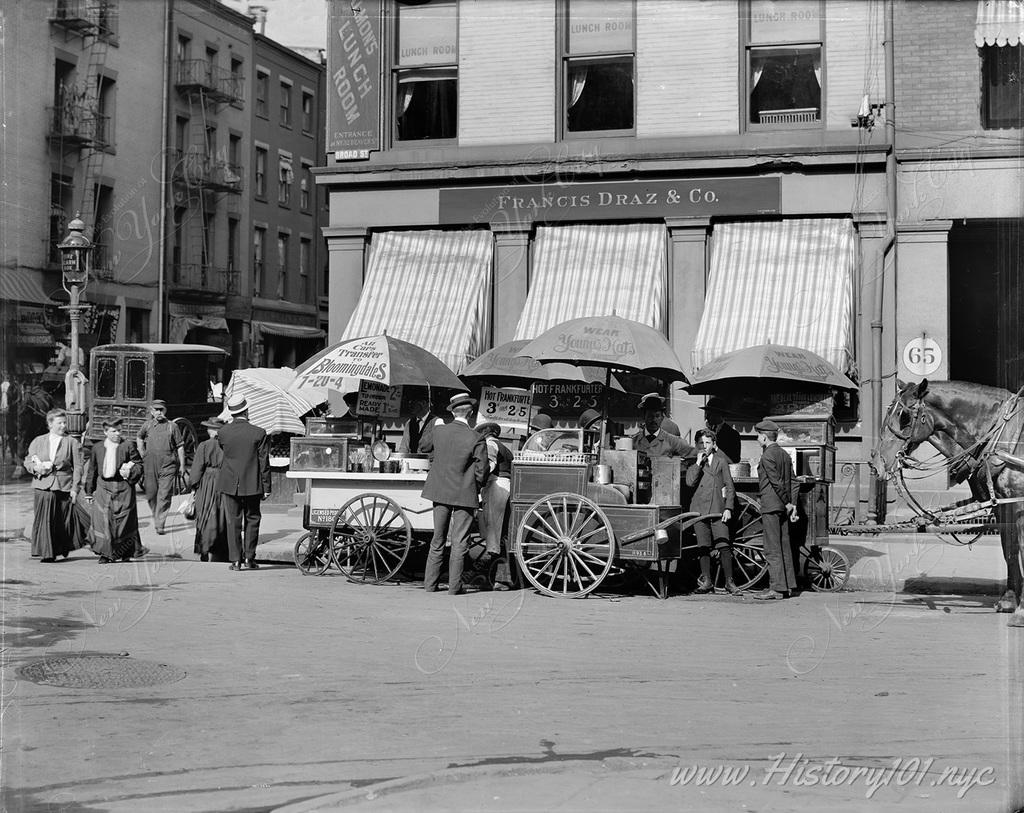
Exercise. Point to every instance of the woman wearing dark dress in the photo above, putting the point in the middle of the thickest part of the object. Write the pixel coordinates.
(211, 526)
(55, 462)
(113, 470)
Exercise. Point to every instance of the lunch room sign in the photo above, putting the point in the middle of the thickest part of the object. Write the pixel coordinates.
(612, 200)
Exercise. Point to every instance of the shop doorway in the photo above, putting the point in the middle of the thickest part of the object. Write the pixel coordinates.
(986, 295)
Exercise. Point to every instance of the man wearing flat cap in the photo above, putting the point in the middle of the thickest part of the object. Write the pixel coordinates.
(652, 438)
(244, 480)
(458, 471)
(727, 439)
(778, 490)
(163, 456)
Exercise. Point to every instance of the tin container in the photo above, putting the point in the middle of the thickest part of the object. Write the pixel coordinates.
(624, 444)
(602, 474)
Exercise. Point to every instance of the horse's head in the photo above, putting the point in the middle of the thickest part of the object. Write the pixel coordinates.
(907, 423)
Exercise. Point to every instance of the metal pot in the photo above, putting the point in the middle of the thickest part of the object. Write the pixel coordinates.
(602, 474)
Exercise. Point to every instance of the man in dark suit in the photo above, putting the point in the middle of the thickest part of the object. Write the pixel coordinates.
(418, 435)
(458, 471)
(244, 480)
(714, 494)
(778, 490)
(727, 439)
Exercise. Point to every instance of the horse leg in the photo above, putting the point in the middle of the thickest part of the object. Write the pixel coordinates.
(1011, 526)
(1015, 569)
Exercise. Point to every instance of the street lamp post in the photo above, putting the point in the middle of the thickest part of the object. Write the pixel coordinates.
(75, 254)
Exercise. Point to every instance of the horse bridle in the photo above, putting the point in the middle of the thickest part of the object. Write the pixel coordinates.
(917, 415)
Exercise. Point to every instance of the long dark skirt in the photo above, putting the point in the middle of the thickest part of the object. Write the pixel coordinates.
(115, 520)
(211, 524)
(54, 526)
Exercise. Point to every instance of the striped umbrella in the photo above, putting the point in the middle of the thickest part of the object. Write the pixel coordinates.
(271, 405)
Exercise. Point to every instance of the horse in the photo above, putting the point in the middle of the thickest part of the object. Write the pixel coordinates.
(980, 431)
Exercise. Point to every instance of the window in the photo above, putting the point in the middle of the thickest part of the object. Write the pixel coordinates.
(305, 184)
(181, 134)
(307, 112)
(285, 178)
(106, 377)
(178, 244)
(210, 144)
(261, 172)
(211, 67)
(1002, 93)
(208, 246)
(598, 67)
(282, 264)
(259, 243)
(305, 247)
(262, 90)
(232, 244)
(106, 18)
(135, 379)
(105, 104)
(234, 158)
(286, 105)
(61, 202)
(183, 49)
(237, 80)
(103, 232)
(784, 64)
(425, 75)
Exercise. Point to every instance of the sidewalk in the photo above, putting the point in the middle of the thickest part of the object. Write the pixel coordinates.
(898, 563)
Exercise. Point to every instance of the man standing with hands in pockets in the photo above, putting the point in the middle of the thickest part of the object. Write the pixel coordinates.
(244, 480)
(778, 490)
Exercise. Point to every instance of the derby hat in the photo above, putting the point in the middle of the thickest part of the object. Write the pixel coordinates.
(541, 421)
(461, 399)
(715, 404)
(489, 428)
(767, 425)
(652, 400)
(588, 418)
(237, 404)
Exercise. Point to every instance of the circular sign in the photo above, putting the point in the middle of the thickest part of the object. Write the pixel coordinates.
(922, 356)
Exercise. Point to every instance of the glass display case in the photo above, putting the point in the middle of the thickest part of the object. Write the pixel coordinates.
(320, 454)
(338, 427)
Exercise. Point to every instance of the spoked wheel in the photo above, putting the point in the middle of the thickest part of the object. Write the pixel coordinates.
(312, 553)
(565, 545)
(827, 569)
(370, 538)
(749, 567)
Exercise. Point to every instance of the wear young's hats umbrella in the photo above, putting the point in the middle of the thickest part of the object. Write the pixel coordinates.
(503, 366)
(767, 361)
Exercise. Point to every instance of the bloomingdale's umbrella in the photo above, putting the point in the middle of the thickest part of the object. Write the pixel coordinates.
(767, 361)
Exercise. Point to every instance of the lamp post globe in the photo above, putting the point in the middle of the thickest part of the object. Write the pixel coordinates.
(75, 254)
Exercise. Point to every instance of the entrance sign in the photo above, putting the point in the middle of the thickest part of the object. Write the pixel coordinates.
(353, 77)
(508, 407)
(922, 356)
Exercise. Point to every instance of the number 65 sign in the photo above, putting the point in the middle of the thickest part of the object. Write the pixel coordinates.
(922, 356)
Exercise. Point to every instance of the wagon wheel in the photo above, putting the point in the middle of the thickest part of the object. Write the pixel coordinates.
(565, 545)
(827, 569)
(312, 554)
(188, 440)
(370, 538)
(749, 567)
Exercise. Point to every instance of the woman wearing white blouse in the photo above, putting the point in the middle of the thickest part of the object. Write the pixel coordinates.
(55, 462)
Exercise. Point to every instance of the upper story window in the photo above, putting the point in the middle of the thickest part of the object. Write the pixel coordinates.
(262, 89)
(261, 172)
(286, 104)
(259, 248)
(598, 63)
(307, 112)
(1002, 86)
(784, 63)
(237, 80)
(425, 71)
(305, 185)
(183, 49)
(285, 179)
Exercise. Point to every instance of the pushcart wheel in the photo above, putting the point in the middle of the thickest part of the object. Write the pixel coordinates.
(370, 538)
(312, 554)
(827, 569)
(565, 545)
(748, 563)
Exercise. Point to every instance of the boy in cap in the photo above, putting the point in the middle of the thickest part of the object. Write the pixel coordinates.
(652, 438)
(163, 456)
(778, 490)
(457, 473)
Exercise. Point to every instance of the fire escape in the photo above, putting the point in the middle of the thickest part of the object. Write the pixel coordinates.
(202, 175)
(78, 129)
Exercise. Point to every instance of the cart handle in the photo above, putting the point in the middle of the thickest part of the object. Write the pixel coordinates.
(688, 520)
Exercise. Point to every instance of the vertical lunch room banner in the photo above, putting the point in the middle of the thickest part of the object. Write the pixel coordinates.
(353, 78)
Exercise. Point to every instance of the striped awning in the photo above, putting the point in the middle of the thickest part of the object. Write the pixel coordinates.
(271, 406)
(589, 270)
(787, 282)
(999, 22)
(431, 289)
(288, 331)
(22, 285)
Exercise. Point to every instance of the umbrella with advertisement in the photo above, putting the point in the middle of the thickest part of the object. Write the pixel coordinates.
(767, 362)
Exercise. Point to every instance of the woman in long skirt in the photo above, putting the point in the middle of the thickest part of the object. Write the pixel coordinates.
(55, 462)
(110, 477)
(211, 541)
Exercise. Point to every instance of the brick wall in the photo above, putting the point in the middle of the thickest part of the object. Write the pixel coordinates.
(507, 72)
(687, 67)
(854, 59)
(938, 70)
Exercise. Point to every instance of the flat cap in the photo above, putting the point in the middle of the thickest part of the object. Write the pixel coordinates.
(159, 402)
(113, 422)
(767, 425)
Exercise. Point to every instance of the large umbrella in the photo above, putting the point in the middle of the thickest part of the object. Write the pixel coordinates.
(779, 362)
(502, 366)
(383, 359)
(610, 342)
(271, 406)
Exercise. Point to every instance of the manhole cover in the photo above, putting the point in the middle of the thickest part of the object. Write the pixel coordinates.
(99, 672)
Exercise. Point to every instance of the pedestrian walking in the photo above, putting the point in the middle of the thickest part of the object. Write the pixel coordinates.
(55, 462)
(457, 473)
(243, 481)
(111, 474)
(652, 438)
(163, 456)
(777, 490)
(211, 541)
(714, 494)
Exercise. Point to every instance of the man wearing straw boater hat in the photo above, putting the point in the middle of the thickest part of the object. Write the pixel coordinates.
(244, 480)
(458, 471)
